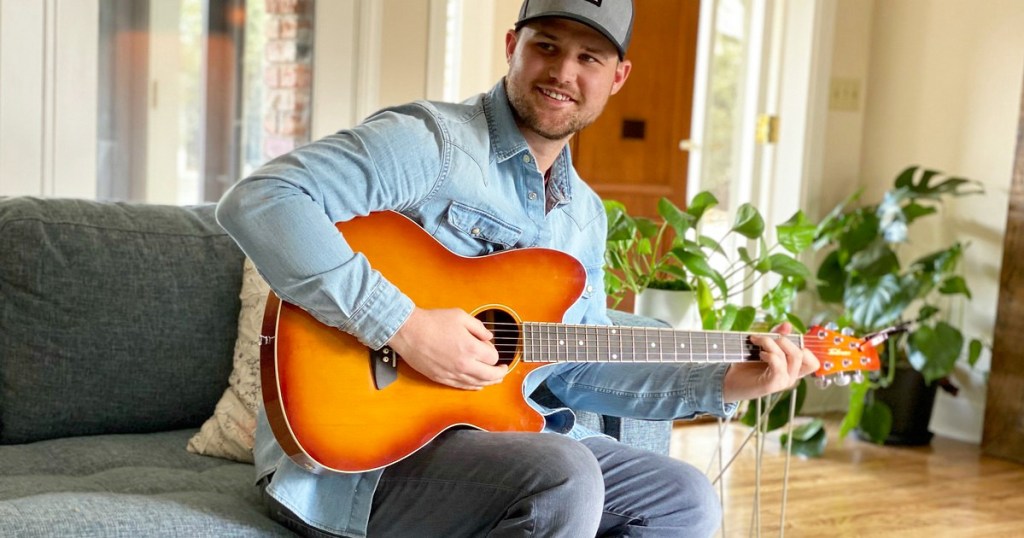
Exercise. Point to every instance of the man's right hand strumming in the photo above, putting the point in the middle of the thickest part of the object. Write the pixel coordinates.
(449, 347)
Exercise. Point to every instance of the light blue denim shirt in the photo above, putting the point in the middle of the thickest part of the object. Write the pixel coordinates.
(466, 175)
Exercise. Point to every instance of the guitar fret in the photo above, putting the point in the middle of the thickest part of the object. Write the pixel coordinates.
(564, 342)
(557, 342)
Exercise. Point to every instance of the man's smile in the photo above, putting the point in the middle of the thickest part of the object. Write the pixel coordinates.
(558, 96)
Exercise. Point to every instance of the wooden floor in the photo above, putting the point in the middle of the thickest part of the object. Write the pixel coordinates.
(861, 489)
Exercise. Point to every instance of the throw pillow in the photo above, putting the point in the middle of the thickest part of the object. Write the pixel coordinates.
(230, 432)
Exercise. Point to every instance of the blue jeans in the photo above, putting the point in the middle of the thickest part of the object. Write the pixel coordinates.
(472, 483)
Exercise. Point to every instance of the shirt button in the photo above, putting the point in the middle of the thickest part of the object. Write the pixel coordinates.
(475, 231)
(527, 159)
(532, 196)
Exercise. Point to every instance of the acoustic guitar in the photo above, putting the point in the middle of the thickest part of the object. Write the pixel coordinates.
(336, 405)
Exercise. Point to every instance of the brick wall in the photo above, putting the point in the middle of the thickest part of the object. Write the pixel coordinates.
(287, 75)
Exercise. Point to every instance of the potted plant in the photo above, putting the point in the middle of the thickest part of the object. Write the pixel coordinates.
(867, 275)
(675, 254)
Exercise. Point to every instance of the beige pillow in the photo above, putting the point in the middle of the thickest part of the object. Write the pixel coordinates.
(229, 432)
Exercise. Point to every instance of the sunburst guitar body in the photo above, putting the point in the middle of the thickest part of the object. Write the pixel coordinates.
(335, 405)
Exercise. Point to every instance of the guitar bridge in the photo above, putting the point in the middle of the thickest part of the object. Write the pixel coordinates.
(384, 365)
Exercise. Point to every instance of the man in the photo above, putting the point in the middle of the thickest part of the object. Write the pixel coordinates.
(482, 176)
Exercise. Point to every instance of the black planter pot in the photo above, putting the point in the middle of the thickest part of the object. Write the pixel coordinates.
(911, 402)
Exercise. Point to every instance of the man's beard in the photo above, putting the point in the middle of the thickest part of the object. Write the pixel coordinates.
(526, 115)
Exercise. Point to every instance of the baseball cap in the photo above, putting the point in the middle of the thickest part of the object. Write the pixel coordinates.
(613, 18)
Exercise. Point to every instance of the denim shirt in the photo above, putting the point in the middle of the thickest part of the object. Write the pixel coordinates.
(465, 174)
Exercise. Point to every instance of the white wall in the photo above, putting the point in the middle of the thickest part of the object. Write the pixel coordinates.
(942, 84)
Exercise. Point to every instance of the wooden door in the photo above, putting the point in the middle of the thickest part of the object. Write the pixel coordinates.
(631, 153)
(1003, 435)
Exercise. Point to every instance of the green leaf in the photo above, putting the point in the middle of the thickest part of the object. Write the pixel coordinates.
(873, 306)
(612, 283)
(926, 312)
(728, 317)
(798, 324)
(701, 202)
(938, 263)
(646, 227)
(675, 217)
(797, 233)
(974, 352)
(777, 300)
(831, 279)
(785, 265)
(855, 410)
(914, 211)
(706, 305)
(748, 222)
(708, 243)
(621, 226)
(763, 265)
(644, 247)
(861, 229)
(906, 178)
(676, 271)
(934, 351)
(745, 255)
(809, 440)
(835, 222)
(876, 421)
(700, 267)
(874, 260)
(955, 285)
(745, 317)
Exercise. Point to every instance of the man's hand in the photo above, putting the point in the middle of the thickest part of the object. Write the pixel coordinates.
(782, 364)
(449, 347)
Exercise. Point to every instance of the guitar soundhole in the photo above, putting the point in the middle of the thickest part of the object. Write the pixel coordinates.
(506, 333)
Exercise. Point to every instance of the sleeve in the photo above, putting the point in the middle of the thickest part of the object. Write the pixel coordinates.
(283, 215)
(643, 391)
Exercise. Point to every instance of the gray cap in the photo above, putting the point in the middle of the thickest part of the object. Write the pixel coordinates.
(613, 18)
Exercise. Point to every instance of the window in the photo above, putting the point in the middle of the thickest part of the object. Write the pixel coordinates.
(195, 94)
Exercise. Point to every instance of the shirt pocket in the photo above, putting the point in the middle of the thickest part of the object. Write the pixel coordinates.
(482, 229)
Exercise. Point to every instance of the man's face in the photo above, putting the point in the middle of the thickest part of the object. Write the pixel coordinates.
(560, 76)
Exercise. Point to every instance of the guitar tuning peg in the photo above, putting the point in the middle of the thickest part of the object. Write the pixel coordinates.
(841, 379)
(847, 331)
(831, 326)
(823, 382)
(858, 377)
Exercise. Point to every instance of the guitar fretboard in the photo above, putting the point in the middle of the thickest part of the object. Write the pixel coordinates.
(553, 342)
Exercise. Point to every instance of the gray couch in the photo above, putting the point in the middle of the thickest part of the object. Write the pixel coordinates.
(117, 327)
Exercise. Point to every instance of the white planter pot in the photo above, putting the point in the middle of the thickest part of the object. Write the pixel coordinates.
(678, 308)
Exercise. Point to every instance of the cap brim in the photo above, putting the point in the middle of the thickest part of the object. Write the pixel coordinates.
(577, 18)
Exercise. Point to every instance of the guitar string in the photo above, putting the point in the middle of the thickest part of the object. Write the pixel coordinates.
(736, 346)
(695, 336)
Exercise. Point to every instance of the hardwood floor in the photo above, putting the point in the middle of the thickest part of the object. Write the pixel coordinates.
(861, 489)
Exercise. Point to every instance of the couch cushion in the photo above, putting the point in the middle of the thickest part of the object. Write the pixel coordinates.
(114, 317)
(127, 485)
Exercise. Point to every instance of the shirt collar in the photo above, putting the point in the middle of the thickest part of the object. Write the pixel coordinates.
(507, 141)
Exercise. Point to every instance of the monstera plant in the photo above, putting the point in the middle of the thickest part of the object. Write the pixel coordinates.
(868, 276)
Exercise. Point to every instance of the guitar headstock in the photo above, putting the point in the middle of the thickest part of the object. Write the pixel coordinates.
(843, 357)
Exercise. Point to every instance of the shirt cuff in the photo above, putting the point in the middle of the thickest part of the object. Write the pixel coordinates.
(713, 400)
(380, 316)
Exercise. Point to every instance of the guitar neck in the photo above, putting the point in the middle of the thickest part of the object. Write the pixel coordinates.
(555, 342)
